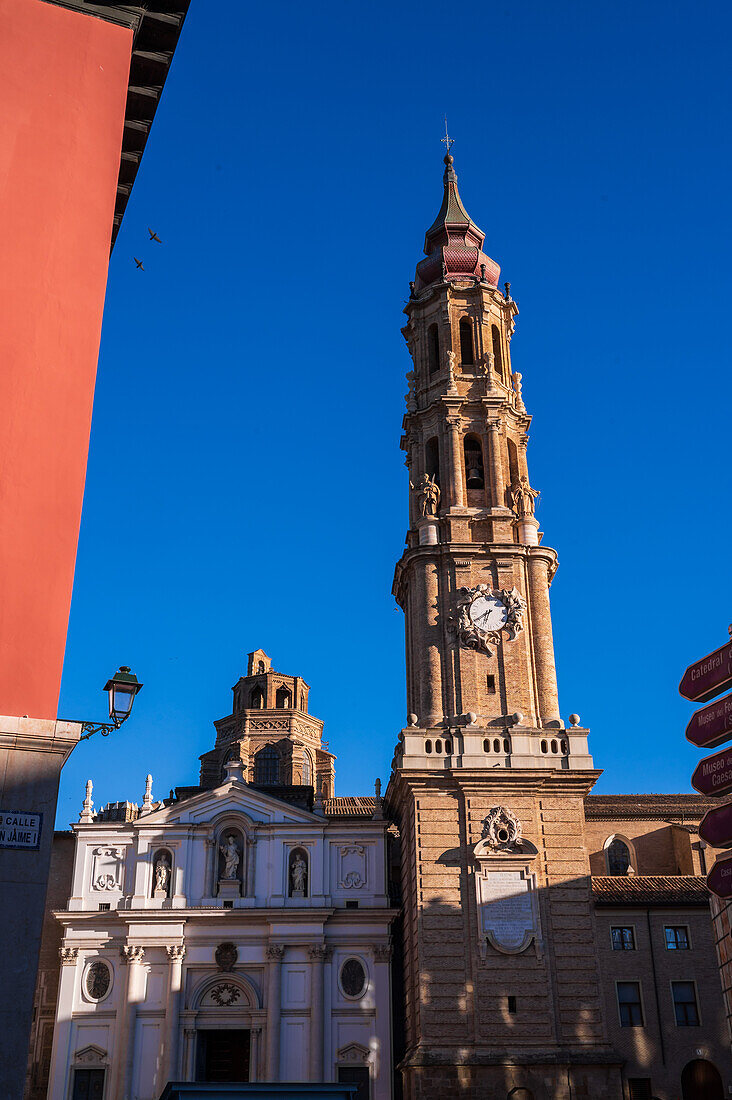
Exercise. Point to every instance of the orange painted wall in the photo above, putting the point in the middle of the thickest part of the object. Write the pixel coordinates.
(63, 85)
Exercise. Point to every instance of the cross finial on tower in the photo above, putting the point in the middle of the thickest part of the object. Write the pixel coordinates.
(447, 141)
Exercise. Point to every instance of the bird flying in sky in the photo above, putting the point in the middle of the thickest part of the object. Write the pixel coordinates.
(138, 262)
(153, 235)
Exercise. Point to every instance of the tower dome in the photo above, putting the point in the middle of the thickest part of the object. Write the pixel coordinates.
(453, 244)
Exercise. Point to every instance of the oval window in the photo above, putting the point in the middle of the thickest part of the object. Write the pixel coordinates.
(98, 980)
(353, 978)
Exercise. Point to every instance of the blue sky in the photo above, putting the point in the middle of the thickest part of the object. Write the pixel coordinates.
(245, 484)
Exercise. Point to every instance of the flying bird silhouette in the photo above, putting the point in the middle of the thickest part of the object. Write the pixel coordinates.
(138, 262)
(153, 236)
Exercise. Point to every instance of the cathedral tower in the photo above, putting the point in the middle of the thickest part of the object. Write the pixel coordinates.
(501, 984)
(474, 578)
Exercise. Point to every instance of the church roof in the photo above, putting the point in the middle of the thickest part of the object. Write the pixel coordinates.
(351, 806)
(453, 244)
(653, 806)
(645, 890)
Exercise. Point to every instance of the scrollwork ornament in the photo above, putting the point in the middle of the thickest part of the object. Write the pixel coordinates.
(471, 636)
(502, 829)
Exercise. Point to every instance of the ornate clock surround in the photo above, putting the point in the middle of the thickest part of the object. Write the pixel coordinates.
(471, 636)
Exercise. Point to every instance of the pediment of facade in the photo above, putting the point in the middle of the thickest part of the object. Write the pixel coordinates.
(232, 797)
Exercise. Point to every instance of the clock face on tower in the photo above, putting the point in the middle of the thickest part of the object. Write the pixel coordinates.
(488, 613)
(482, 616)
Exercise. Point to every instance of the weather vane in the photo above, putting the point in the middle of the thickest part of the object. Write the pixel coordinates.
(447, 141)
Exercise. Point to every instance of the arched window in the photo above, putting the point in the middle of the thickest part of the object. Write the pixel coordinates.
(260, 667)
(474, 478)
(497, 353)
(256, 699)
(307, 770)
(466, 342)
(432, 458)
(283, 699)
(617, 857)
(433, 349)
(267, 767)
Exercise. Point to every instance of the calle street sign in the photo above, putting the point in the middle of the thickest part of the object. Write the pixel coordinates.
(707, 677)
(719, 879)
(713, 775)
(716, 826)
(712, 725)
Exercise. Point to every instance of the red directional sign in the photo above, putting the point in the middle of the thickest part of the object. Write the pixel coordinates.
(713, 774)
(716, 826)
(719, 879)
(707, 677)
(712, 725)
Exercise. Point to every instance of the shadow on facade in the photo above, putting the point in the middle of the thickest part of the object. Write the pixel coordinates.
(543, 1022)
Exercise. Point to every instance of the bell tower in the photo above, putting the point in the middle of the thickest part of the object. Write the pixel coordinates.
(474, 577)
(501, 988)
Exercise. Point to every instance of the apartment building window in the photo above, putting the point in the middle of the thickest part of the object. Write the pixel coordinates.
(623, 938)
(677, 938)
(639, 1088)
(629, 1004)
(685, 1006)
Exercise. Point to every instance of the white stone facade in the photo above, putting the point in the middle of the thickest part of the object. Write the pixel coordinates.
(253, 953)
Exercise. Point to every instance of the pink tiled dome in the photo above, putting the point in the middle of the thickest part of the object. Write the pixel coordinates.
(453, 244)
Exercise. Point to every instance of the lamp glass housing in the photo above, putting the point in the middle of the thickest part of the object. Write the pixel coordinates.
(122, 689)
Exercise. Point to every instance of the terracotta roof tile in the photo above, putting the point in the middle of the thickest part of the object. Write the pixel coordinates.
(647, 890)
(358, 806)
(601, 806)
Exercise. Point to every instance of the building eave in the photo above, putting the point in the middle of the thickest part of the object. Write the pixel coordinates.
(156, 30)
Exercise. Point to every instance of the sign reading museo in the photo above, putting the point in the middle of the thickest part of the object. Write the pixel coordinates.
(19, 829)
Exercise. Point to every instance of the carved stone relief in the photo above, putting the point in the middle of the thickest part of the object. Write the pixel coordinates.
(352, 874)
(224, 995)
(91, 1056)
(502, 829)
(107, 868)
(226, 955)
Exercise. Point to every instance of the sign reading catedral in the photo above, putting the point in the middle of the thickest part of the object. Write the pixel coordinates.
(487, 928)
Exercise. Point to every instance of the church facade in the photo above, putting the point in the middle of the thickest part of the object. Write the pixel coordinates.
(231, 931)
(492, 928)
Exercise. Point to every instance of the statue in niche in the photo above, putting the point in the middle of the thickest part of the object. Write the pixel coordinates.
(428, 492)
(523, 497)
(230, 852)
(162, 876)
(298, 876)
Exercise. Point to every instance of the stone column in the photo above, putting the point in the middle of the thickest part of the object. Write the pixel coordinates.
(275, 954)
(58, 1069)
(254, 1054)
(318, 954)
(249, 889)
(382, 996)
(125, 1037)
(455, 472)
(426, 648)
(541, 636)
(176, 954)
(498, 485)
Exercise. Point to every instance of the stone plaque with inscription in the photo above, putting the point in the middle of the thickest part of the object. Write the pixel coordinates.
(507, 910)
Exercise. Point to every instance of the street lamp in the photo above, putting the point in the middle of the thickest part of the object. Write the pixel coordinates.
(122, 689)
